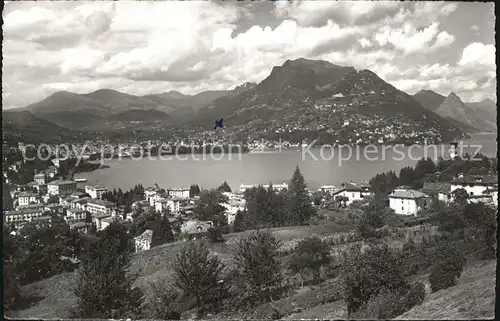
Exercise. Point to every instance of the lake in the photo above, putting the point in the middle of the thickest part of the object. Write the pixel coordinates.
(325, 166)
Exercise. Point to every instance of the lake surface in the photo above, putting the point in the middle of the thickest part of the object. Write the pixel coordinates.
(326, 166)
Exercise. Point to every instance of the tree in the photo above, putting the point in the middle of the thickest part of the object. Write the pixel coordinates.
(310, 255)
(238, 224)
(104, 288)
(450, 265)
(460, 197)
(373, 218)
(209, 208)
(162, 230)
(481, 219)
(7, 202)
(194, 190)
(299, 201)
(200, 274)
(162, 301)
(365, 275)
(224, 187)
(341, 201)
(215, 235)
(406, 176)
(260, 270)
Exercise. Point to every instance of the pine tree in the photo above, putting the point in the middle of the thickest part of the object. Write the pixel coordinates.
(104, 289)
(162, 231)
(300, 202)
(259, 266)
(199, 274)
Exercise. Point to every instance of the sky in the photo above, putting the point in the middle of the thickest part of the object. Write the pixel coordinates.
(192, 46)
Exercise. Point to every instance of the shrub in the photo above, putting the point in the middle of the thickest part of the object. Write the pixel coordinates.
(416, 296)
(162, 302)
(366, 274)
(215, 235)
(450, 265)
(310, 255)
(380, 306)
(259, 268)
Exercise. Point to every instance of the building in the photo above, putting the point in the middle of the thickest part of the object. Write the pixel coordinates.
(61, 187)
(40, 179)
(21, 216)
(439, 190)
(105, 222)
(149, 192)
(51, 171)
(179, 193)
(26, 198)
(352, 191)
(100, 207)
(78, 203)
(276, 187)
(194, 229)
(54, 208)
(41, 188)
(98, 219)
(407, 201)
(474, 185)
(328, 189)
(232, 207)
(96, 191)
(76, 214)
(154, 198)
(81, 227)
(143, 241)
(77, 195)
(172, 204)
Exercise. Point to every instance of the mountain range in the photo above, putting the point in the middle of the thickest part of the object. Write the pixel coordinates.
(293, 95)
(470, 117)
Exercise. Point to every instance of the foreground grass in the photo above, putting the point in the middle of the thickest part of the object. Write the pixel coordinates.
(472, 298)
(151, 266)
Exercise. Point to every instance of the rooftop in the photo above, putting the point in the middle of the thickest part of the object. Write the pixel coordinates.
(147, 234)
(476, 179)
(412, 194)
(27, 194)
(439, 187)
(61, 182)
(100, 202)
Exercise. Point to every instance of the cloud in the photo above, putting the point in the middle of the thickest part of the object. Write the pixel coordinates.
(478, 53)
(152, 47)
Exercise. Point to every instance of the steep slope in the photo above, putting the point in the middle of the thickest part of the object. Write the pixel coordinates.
(429, 99)
(140, 115)
(186, 103)
(487, 111)
(23, 126)
(315, 96)
(453, 108)
(76, 111)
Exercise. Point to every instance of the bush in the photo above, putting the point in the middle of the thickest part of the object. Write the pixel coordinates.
(366, 274)
(162, 302)
(445, 273)
(215, 235)
(416, 296)
(381, 306)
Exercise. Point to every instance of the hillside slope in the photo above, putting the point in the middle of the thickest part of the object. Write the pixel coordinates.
(453, 107)
(429, 99)
(24, 126)
(314, 95)
(472, 298)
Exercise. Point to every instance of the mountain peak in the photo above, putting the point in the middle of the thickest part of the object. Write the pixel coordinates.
(242, 88)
